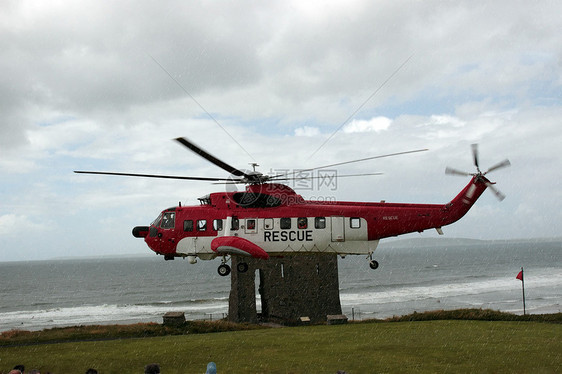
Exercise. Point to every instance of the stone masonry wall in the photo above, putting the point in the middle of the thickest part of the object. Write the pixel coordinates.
(290, 288)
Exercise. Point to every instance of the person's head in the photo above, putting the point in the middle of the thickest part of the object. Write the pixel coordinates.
(152, 369)
(21, 368)
(91, 371)
(211, 368)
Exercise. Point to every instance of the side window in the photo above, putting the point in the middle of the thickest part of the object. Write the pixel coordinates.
(235, 223)
(201, 224)
(268, 223)
(168, 220)
(285, 223)
(250, 224)
(320, 222)
(302, 222)
(217, 225)
(188, 225)
(355, 222)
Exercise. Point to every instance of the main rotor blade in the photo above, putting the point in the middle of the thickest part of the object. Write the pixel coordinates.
(451, 171)
(154, 176)
(368, 158)
(349, 162)
(503, 164)
(327, 176)
(221, 164)
(475, 155)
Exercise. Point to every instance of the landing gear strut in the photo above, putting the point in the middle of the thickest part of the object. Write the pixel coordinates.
(223, 269)
(242, 267)
(373, 264)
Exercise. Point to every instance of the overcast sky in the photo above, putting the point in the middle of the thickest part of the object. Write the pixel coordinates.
(94, 85)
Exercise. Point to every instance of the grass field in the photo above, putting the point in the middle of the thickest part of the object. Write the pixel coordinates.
(444, 346)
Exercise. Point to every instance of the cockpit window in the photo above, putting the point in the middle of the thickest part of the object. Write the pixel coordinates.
(168, 220)
(156, 222)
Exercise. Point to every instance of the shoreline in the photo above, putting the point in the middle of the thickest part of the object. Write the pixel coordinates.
(219, 325)
(210, 317)
(158, 320)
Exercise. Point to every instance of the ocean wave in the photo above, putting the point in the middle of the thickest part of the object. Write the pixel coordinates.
(188, 302)
(393, 294)
(105, 313)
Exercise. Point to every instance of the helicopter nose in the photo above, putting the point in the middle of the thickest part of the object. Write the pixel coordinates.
(140, 231)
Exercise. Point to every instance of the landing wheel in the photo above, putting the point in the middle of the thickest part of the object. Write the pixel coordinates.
(373, 264)
(242, 267)
(223, 270)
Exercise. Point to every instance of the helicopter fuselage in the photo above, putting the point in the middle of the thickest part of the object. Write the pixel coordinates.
(273, 220)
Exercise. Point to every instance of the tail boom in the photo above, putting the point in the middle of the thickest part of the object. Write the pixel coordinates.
(398, 219)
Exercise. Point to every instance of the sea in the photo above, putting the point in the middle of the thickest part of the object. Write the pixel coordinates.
(414, 275)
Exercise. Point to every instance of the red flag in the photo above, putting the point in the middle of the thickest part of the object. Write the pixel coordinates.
(520, 276)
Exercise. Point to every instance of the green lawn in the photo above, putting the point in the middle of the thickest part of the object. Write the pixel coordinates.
(385, 347)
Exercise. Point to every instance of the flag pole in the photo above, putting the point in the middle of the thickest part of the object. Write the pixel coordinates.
(523, 287)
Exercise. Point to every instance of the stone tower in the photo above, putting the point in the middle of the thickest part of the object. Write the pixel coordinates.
(290, 287)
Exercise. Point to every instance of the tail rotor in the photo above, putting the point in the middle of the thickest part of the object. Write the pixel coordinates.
(480, 174)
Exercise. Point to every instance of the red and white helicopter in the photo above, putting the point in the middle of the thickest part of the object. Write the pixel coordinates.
(271, 219)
